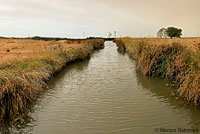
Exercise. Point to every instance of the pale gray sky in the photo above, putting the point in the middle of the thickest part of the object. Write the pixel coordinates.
(70, 18)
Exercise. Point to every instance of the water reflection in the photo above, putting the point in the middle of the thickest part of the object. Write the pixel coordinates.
(166, 94)
(22, 126)
(73, 67)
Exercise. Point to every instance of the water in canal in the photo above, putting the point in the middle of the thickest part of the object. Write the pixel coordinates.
(106, 95)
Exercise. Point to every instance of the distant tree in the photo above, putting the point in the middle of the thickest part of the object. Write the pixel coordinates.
(174, 32)
(162, 33)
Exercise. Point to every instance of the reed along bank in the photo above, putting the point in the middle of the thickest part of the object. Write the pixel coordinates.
(26, 65)
(177, 60)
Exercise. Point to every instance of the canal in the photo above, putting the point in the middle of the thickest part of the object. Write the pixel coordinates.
(106, 95)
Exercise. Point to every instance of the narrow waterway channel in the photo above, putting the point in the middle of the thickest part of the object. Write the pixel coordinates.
(107, 95)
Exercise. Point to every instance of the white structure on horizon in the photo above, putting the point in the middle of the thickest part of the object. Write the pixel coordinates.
(162, 33)
(109, 35)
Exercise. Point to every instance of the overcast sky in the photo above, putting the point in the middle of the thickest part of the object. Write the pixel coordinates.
(70, 18)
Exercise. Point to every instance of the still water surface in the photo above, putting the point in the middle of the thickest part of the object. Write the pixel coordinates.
(107, 95)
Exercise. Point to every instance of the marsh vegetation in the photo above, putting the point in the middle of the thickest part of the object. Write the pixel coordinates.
(26, 65)
(177, 60)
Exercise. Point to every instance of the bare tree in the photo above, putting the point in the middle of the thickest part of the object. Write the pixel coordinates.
(162, 33)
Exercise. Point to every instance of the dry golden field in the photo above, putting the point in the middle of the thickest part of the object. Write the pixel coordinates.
(17, 50)
(192, 44)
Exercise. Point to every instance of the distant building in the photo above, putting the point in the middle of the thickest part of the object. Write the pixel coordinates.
(162, 33)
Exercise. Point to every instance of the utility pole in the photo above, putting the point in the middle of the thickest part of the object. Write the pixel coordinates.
(83, 34)
(115, 34)
(109, 35)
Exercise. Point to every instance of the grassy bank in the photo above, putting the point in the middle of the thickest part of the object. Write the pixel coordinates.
(175, 59)
(27, 64)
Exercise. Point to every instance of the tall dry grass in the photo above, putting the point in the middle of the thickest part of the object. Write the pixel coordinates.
(174, 59)
(27, 64)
